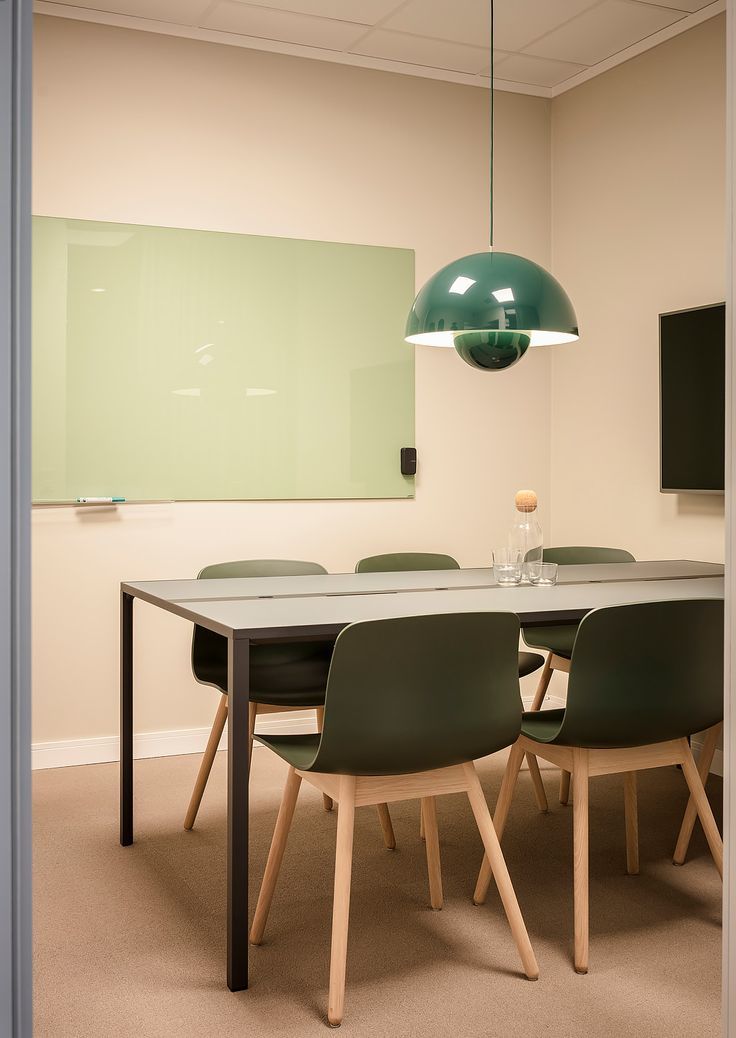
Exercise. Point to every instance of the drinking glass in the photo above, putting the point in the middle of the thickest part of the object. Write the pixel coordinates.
(507, 566)
(544, 574)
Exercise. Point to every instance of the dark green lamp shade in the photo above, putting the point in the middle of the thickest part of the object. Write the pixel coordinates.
(491, 307)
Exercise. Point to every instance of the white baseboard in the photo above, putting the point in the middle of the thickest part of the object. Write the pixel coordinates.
(69, 753)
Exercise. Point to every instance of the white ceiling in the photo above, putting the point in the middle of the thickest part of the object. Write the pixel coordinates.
(542, 47)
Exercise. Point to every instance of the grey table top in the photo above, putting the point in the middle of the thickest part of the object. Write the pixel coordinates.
(283, 606)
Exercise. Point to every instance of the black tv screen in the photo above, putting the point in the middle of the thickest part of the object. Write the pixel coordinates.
(692, 359)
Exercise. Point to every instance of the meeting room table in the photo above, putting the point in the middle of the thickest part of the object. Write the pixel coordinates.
(289, 608)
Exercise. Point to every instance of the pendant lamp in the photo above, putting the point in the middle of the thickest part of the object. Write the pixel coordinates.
(492, 306)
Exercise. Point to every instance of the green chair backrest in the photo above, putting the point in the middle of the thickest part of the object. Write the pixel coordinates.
(261, 568)
(577, 556)
(398, 562)
(208, 646)
(420, 692)
(645, 673)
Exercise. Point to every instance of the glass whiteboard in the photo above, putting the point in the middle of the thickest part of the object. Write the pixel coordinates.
(196, 365)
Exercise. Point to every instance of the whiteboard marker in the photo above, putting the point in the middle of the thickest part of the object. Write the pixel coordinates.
(100, 500)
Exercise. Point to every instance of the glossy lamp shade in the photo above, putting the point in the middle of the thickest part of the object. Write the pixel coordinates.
(491, 306)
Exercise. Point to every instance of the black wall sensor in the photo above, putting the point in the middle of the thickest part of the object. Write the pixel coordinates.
(408, 461)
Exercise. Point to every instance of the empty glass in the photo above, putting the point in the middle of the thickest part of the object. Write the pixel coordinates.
(543, 574)
(507, 566)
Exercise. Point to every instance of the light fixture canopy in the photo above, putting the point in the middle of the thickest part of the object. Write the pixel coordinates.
(491, 306)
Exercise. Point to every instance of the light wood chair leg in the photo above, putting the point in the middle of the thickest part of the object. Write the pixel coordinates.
(544, 679)
(564, 788)
(705, 760)
(421, 823)
(538, 785)
(388, 830)
(580, 859)
(431, 836)
(708, 822)
(275, 855)
(632, 823)
(208, 760)
(320, 711)
(500, 873)
(341, 904)
(252, 714)
(505, 797)
(531, 761)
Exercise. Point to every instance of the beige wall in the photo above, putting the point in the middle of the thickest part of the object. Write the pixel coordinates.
(150, 129)
(638, 174)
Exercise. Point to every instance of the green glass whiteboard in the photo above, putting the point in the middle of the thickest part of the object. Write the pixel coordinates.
(195, 365)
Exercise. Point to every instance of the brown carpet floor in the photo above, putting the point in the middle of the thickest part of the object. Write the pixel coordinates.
(131, 941)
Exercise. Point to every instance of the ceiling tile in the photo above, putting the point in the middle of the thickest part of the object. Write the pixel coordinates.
(521, 21)
(360, 11)
(182, 12)
(265, 23)
(689, 6)
(417, 50)
(523, 68)
(462, 21)
(602, 31)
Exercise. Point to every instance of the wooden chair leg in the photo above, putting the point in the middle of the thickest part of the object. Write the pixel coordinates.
(564, 788)
(431, 836)
(632, 823)
(531, 761)
(580, 859)
(275, 855)
(538, 785)
(208, 760)
(691, 812)
(708, 822)
(503, 804)
(500, 873)
(320, 711)
(388, 830)
(543, 684)
(421, 824)
(341, 904)
(252, 714)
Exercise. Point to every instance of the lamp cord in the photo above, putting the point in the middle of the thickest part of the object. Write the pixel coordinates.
(490, 242)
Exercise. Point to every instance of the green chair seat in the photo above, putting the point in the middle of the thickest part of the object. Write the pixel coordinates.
(297, 750)
(529, 662)
(542, 725)
(558, 640)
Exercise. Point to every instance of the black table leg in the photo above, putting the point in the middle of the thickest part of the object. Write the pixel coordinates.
(126, 719)
(237, 813)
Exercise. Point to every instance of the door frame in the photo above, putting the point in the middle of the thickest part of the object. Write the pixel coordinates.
(15, 463)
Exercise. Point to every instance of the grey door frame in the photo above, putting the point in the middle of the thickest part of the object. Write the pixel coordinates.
(15, 461)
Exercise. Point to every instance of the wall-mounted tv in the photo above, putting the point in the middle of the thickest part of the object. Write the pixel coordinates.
(692, 358)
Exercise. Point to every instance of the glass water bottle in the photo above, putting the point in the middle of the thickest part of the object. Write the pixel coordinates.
(526, 533)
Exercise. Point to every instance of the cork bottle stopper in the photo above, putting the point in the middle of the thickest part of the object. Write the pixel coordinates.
(526, 501)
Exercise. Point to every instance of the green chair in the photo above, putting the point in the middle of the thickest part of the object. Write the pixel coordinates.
(283, 676)
(557, 642)
(632, 704)
(411, 703)
(417, 560)
(398, 562)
